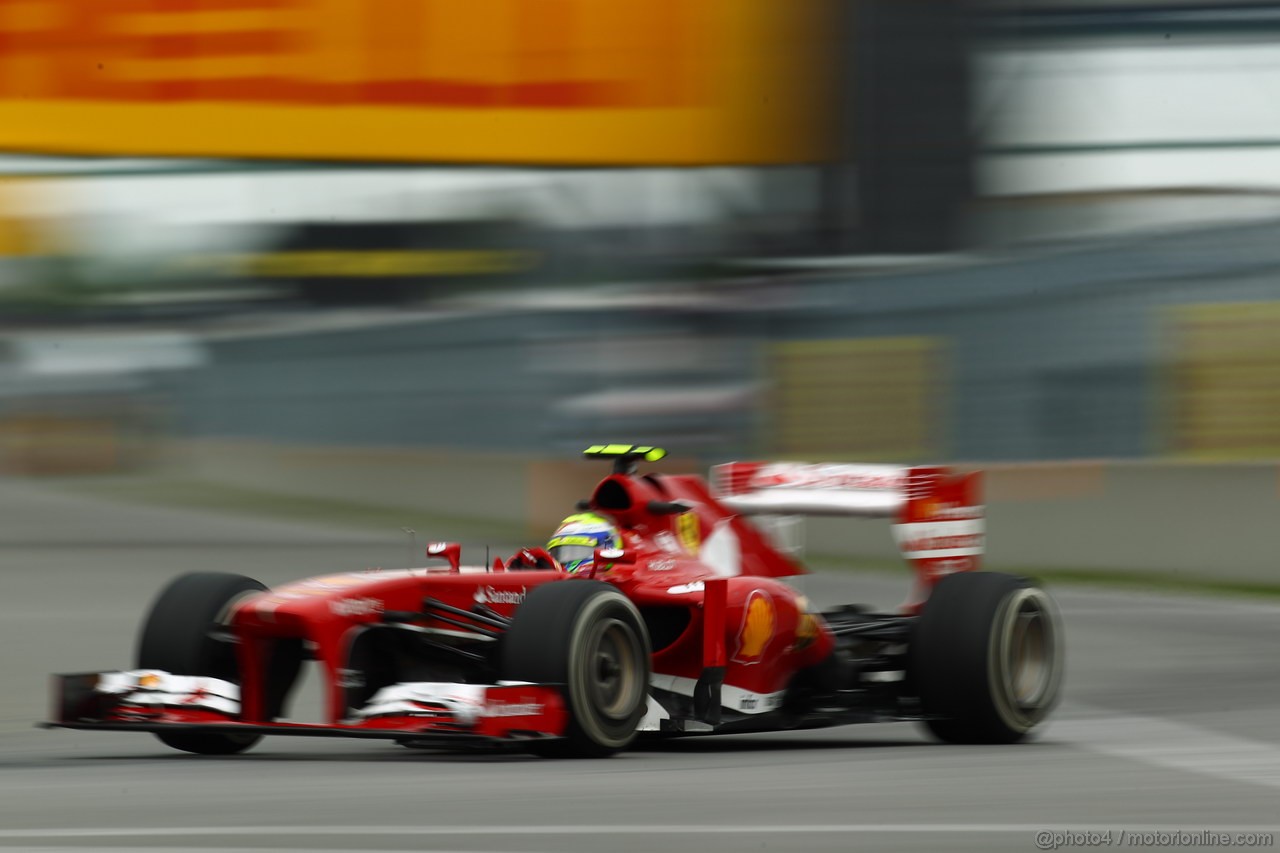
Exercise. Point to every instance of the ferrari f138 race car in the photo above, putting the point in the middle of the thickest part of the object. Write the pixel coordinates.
(683, 625)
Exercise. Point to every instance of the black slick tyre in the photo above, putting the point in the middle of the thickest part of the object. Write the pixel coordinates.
(588, 637)
(176, 638)
(987, 658)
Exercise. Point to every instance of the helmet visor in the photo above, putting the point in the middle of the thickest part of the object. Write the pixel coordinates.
(567, 555)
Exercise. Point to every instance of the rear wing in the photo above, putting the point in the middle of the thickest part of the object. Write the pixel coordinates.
(938, 517)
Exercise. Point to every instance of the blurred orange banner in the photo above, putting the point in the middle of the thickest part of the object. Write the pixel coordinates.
(681, 82)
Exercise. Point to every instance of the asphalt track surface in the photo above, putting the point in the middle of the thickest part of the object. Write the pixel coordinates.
(1170, 724)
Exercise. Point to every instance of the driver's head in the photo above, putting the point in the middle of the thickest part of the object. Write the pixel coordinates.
(576, 539)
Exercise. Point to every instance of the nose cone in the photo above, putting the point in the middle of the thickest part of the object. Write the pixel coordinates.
(351, 597)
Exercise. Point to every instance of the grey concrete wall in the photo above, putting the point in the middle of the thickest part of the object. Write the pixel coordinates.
(1198, 521)
(445, 483)
(1201, 521)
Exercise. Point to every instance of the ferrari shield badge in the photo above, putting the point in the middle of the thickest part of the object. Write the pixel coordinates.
(689, 531)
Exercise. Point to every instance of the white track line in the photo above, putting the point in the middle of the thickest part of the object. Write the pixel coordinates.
(45, 848)
(1175, 746)
(605, 829)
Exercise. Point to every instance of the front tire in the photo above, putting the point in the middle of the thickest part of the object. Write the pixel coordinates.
(986, 658)
(589, 637)
(175, 638)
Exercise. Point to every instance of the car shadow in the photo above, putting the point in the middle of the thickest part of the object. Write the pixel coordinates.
(651, 746)
(385, 755)
(648, 748)
(766, 743)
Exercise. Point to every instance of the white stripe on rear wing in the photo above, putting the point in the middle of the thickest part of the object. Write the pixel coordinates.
(937, 513)
(770, 488)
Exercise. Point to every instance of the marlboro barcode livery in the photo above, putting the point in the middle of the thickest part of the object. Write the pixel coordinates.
(660, 607)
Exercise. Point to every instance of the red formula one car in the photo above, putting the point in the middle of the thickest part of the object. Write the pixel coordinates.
(687, 628)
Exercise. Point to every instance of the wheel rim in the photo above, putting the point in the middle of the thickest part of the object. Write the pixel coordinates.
(612, 676)
(1028, 662)
(1027, 659)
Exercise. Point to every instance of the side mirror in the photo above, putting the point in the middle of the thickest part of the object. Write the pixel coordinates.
(450, 551)
(612, 557)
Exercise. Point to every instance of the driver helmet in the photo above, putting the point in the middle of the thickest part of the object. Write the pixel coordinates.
(575, 541)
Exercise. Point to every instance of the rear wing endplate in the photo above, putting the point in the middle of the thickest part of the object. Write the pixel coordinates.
(937, 513)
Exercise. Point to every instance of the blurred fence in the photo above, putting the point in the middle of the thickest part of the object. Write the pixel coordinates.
(511, 382)
(1107, 351)
(1160, 347)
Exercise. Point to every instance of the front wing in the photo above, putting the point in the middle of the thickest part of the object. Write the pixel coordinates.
(421, 712)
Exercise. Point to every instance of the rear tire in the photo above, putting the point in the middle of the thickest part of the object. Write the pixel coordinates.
(986, 658)
(589, 637)
(175, 638)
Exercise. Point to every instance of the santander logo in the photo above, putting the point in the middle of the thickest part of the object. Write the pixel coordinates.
(492, 595)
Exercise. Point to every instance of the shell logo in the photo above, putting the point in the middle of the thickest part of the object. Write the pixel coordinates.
(759, 617)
